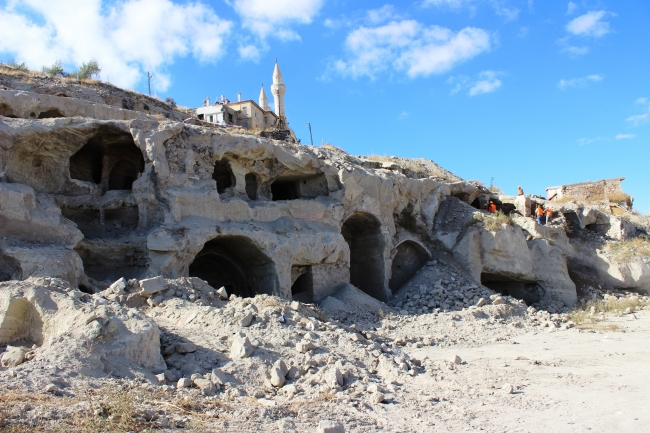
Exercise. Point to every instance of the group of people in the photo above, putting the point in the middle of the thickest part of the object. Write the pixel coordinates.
(541, 212)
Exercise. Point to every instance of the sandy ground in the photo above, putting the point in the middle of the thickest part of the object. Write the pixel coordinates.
(566, 381)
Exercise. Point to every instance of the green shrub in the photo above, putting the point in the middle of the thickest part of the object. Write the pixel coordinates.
(55, 70)
(87, 70)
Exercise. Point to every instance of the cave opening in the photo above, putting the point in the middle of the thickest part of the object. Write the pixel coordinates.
(50, 114)
(362, 232)
(299, 187)
(110, 159)
(237, 264)
(302, 289)
(222, 174)
(528, 291)
(407, 261)
(251, 186)
(107, 260)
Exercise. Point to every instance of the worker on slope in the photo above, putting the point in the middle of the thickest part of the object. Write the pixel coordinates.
(549, 215)
(540, 214)
(492, 208)
(520, 191)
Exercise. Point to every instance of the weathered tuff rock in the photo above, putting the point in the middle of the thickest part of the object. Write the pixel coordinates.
(41, 311)
(116, 193)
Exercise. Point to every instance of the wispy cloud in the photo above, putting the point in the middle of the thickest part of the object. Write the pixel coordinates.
(574, 51)
(571, 8)
(625, 136)
(579, 82)
(590, 24)
(638, 119)
(642, 101)
(403, 115)
(271, 19)
(381, 15)
(499, 6)
(409, 46)
(586, 141)
(487, 82)
(115, 34)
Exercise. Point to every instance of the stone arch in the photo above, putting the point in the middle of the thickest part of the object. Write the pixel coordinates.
(237, 264)
(408, 258)
(362, 232)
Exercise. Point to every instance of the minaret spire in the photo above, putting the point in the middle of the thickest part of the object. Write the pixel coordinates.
(278, 89)
(264, 101)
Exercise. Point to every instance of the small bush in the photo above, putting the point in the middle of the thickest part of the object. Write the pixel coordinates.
(55, 70)
(22, 67)
(87, 70)
(332, 147)
(590, 315)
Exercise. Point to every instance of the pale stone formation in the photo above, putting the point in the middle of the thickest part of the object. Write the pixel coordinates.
(97, 198)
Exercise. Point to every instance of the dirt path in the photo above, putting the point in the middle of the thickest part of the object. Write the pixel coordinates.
(565, 381)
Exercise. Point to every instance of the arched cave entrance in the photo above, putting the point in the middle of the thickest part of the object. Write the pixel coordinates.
(299, 187)
(110, 159)
(409, 258)
(236, 263)
(302, 288)
(223, 175)
(528, 291)
(251, 186)
(362, 232)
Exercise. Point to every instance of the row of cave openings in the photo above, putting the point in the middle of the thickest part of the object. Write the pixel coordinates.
(305, 187)
(237, 264)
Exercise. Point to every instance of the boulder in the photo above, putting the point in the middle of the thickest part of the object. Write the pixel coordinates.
(241, 347)
(14, 356)
(151, 286)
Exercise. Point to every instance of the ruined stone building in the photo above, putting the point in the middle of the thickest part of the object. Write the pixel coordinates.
(590, 190)
(248, 113)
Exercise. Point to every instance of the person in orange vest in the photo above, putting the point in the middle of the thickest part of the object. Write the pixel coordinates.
(492, 208)
(540, 214)
(520, 191)
(549, 215)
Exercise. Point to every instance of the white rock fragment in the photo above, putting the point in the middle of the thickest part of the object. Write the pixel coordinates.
(184, 383)
(246, 320)
(218, 377)
(14, 356)
(305, 346)
(119, 286)
(206, 386)
(456, 360)
(150, 286)
(498, 301)
(222, 293)
(481, 302)
(377, 397)
(507, 388)
(327, 426)
(241, 347)
(334, 378)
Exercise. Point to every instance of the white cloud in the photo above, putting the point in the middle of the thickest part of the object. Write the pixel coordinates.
(411, 47)
(381, 15)
(642, 101)
(585, 141)
(625, 136)
(273, 18)
(574, 51)
(403, 115)
(498, 6)
(590, 24)
(639, 119)
(118, 36)
(579, 82)
(571, 8)
(487, 83)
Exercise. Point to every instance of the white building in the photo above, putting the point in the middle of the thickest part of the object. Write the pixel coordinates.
(248, 113)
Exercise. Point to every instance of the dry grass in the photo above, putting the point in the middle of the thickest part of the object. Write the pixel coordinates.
(333, 148)
(492, 222)
(593, 314)
(404, 163)
(629, 248)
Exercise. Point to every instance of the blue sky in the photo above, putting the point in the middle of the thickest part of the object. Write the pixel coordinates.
(528, 92)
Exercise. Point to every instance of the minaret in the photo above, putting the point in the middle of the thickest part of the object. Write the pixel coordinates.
(264, 101)
(278, 89)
